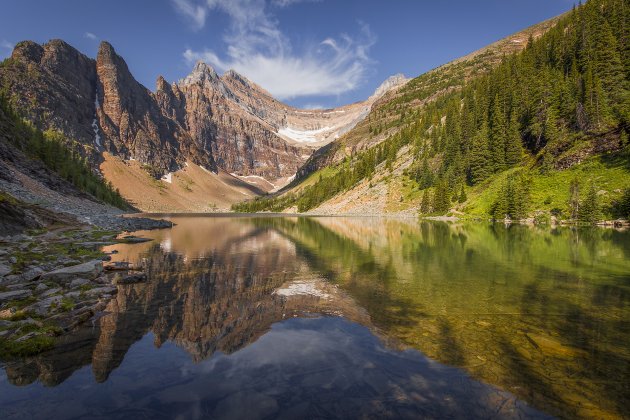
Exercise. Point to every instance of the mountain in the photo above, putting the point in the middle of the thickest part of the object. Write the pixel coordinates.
(225, 124)
(532, 127)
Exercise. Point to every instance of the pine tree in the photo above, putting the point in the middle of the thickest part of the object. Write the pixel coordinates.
(425, 205)
(514, 145)
(499, 208)
(441, 201)
(574, 199)
(589, 208)
(480, 156)
(462, 196)
(498, 136)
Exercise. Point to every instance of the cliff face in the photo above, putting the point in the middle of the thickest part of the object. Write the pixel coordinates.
(215, 121)
(53, 85)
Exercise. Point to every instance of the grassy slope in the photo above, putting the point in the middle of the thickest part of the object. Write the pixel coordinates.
(610, 173)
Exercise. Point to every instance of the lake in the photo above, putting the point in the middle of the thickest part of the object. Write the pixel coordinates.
(341, 317)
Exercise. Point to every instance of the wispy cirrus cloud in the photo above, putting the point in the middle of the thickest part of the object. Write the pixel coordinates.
(258, 49)
(90, 35)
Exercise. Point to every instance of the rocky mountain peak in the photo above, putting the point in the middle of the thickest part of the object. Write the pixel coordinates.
(201, 72)
(232, 74)
(390, 83)
(28, 51)
(106, 52)
(162, 85)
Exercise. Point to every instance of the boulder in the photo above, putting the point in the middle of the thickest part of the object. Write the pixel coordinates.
(89, 270)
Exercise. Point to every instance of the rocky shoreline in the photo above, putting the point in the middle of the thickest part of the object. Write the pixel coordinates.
(55, 279)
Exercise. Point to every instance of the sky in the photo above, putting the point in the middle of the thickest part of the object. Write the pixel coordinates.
(307, 53)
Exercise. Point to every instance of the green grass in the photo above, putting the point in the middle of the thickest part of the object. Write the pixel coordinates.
(30, 347)
(611, 175)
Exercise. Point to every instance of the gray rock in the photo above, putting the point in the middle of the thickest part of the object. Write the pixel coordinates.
(43, 306)
(41, 287)
(32, 274)
(105, 290)
(13, 295)
(50, 292)
(78, 283)
(4, 270)
(130, 278)
(12, 260)
(89, 270)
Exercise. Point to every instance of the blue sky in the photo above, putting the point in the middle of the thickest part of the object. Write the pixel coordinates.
(308, 53)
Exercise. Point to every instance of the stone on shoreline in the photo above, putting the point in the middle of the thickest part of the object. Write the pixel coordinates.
(89, 270)
(4, 270)
(15, 295)
(130, 278)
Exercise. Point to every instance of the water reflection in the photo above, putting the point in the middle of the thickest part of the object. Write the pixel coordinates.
(543, 315)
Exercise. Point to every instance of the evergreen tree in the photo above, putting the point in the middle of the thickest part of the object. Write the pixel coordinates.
(499, 208)
(498, 136)
(589, 208)
(574, 199)
(480, 156)
(514, 145)
(425, 204)
(441, 201)
(462, 196)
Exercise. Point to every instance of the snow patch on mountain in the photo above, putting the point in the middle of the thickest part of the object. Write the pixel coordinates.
(303, 136)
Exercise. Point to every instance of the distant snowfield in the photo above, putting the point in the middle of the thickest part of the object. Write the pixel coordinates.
(303, 136)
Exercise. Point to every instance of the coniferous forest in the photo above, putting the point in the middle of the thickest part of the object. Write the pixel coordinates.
(52, 148)
(563, 98)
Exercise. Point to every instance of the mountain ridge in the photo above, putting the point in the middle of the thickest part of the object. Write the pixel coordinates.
(215, 121)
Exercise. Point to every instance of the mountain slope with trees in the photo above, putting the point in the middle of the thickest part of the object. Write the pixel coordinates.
(560, 106)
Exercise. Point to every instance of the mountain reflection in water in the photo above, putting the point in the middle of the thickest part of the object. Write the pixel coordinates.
(324, 317)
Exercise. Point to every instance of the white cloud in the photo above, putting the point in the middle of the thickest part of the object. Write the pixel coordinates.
(313, 106)
(90, 35)
(195, 12)
(258, 49)
(286, 3)
(5, 48)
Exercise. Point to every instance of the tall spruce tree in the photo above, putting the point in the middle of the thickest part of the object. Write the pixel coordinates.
(480, 163)
(498, 135)
(514, 144)
(589, 207)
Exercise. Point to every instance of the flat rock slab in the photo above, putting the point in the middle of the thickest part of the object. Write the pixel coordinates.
(132, 240)
(89, 270)
(14, 295)
(43, 307)
(4, 270)
(130, 278)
